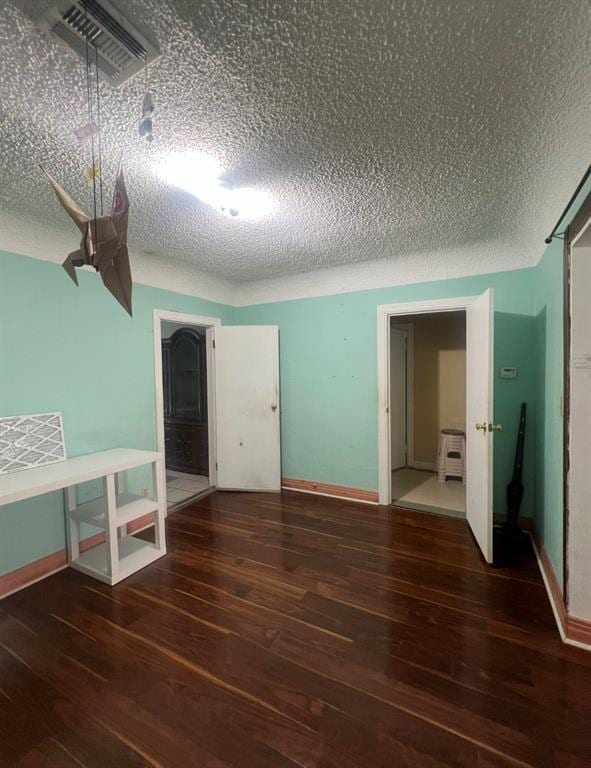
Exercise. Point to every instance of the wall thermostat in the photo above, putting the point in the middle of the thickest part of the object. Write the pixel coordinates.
(508, 372)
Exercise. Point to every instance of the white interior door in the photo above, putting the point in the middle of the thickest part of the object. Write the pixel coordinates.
(397, 398)
(479, 411)
(247, 407)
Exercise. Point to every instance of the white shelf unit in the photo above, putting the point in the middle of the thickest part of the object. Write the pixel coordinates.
(121, 554)
(128, 507)
(132, 555)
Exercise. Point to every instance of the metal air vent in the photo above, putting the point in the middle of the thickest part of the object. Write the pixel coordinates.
(122, 49)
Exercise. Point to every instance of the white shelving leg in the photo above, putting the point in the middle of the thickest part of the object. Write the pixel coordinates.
(121, 482)
(162, 465)
(120, 531)
(112, 545)
(120, 488)
(157, 480)
(73, 525)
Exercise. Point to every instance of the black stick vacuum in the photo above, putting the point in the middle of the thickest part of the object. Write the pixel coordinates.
(515, 487)
(509, 539)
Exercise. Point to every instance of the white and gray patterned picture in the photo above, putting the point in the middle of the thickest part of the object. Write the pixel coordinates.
(30, 441)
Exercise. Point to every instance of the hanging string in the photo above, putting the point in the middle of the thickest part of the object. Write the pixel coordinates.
(145, 126)
(90, 116)
(98, 120)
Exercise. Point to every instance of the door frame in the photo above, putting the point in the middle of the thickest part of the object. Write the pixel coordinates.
(183, 318)
(579, 224)
(384, 313)
(410, 373)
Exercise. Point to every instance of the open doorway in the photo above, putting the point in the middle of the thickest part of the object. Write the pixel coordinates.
(185, 403)
(428, 411)
(479, 329)
(186, 423)
(240, 406)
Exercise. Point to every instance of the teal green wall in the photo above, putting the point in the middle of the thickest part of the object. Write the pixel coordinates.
(75, 350)
(328, 355)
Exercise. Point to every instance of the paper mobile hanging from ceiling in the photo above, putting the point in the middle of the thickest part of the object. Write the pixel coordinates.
(146, 125)
(104, 242)
(104, 238)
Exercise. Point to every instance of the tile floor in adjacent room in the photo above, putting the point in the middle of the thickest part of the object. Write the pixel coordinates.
(423, 489)
(181, 486)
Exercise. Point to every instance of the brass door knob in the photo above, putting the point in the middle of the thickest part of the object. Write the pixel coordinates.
(481, 425)
(495, 427)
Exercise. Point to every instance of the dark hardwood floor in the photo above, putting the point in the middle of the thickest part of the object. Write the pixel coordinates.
(292, 630)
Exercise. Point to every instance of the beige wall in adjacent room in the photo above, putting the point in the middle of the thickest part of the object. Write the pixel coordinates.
(439, 378)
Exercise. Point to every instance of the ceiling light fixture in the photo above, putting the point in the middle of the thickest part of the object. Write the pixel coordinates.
(201, 175)
(247, 203)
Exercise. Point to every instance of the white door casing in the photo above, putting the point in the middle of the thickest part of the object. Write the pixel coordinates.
(579, 476)
(479, 411)
(247, 408)
(182, 318)
(398, 379)
(384, 314)
(479, 396)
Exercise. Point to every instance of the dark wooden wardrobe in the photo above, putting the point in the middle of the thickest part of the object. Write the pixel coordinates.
(185, 402)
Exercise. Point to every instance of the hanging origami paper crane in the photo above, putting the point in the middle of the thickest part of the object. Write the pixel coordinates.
(104, 242)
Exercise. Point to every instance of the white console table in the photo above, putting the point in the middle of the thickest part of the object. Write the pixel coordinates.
(121, 554)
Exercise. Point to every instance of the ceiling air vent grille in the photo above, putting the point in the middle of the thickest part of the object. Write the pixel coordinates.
(122, 49)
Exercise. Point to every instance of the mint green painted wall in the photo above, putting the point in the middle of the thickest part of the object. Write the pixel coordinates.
(75, 350)
(328, 380)
(328, 355)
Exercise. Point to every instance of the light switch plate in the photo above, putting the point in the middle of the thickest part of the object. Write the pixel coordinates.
(508, 372)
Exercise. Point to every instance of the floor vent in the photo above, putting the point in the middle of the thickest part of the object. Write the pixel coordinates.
(122, 49)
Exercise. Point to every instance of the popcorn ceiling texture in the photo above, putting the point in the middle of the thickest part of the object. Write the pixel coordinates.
(405, 269)
(423, 139)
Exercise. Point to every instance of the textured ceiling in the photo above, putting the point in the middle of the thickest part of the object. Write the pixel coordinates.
(382, 130)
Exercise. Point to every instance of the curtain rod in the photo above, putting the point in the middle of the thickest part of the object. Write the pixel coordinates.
(568, 205)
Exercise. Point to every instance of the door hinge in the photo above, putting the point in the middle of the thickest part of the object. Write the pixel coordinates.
(213, 343)
(216, 465)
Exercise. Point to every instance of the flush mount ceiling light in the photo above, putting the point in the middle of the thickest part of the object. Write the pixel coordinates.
(247, 203)
(201, 175)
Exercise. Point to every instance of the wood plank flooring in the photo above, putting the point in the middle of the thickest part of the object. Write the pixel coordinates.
(292, 630)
